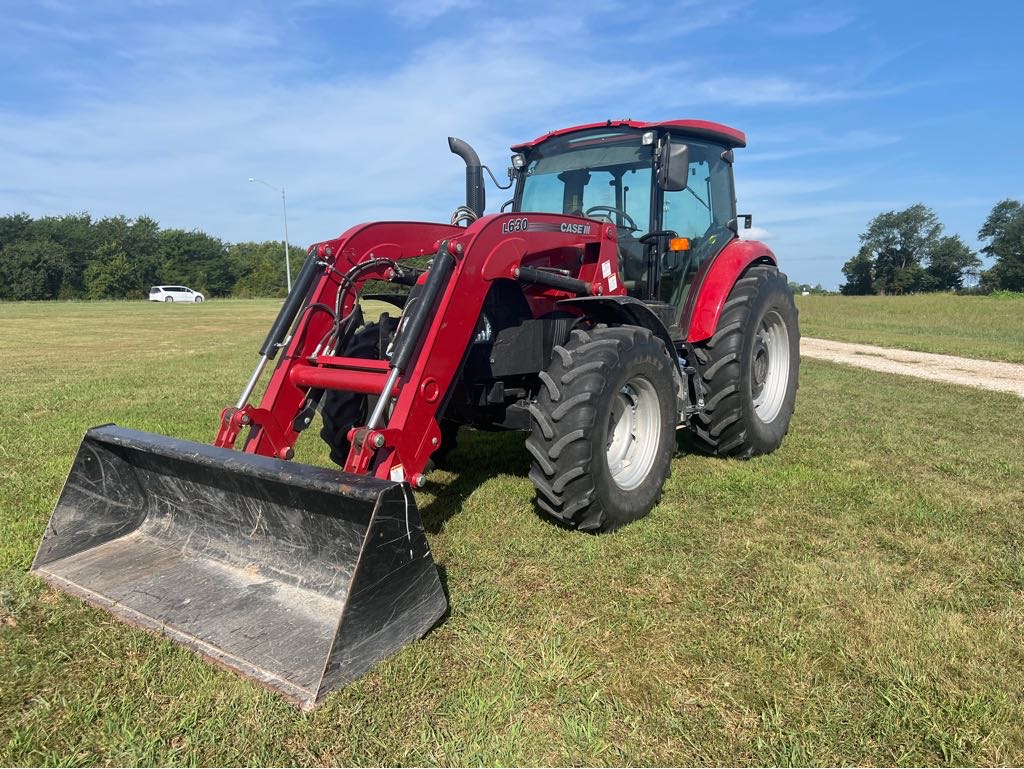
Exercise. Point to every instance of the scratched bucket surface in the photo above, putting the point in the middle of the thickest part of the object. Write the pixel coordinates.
(299, 577)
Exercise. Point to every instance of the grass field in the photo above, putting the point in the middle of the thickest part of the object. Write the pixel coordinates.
(855, 598)
(988, 327)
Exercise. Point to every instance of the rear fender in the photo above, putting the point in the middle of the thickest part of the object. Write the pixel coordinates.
(714, 281)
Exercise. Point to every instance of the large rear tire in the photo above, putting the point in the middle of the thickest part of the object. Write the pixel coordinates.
(604, 428)
(749, 369)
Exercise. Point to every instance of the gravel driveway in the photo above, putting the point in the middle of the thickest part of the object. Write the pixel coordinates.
(988, 375)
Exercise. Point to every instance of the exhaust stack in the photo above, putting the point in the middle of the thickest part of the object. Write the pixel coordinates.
(476, 199)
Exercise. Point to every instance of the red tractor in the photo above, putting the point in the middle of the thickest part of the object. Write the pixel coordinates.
(610, 312)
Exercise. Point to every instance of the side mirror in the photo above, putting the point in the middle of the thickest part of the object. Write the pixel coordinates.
(673, 166)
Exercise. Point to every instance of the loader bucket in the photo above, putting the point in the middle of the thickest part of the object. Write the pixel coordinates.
(299, 577)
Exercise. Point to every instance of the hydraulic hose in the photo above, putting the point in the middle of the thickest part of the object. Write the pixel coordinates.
(437, 280)
(290, 308)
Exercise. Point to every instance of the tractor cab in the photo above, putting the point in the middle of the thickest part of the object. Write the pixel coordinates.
(667, 188)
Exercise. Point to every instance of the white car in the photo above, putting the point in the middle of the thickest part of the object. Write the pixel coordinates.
(174, 294)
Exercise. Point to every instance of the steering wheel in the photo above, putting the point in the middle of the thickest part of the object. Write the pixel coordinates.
(629, 219)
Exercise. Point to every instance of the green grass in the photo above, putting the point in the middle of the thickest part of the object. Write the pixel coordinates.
(988, 327)
(855, 598)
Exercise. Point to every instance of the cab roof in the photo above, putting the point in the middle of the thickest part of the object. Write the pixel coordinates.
(730, 137)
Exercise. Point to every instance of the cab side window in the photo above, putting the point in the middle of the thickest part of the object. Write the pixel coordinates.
(700, 212)
(706, 204)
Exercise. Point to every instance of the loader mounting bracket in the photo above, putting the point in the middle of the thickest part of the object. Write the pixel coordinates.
(234, 420)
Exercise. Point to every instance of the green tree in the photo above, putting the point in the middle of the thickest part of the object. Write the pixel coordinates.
(260, 268)
(899, 242)
(112, 274)
(76, 234)
(905, 252)
(194, 259)
(14, 227)
(118, 257)
(949, 262)
(801, 288)
(33, 269)
(858, 272)
(1004, 231)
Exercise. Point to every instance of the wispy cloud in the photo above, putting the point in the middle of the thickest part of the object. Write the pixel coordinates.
(762, 90)
(677, 22)
(756, 233)
(798, 142)
(419, 11)
(811, 22)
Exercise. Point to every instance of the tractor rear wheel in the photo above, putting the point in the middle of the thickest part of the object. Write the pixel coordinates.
(749, 369)
(604, 428)
(342, 410)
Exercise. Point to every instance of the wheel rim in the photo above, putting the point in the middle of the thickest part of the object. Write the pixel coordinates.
(634, 432)
(769, 367)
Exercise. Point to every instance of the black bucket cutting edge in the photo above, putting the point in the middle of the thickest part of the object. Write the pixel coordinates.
(298, 577)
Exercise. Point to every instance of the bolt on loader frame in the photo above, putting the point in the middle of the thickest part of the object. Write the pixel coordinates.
(557, 317)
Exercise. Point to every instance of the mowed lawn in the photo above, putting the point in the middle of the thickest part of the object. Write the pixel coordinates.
(856, 597)
(987, 327)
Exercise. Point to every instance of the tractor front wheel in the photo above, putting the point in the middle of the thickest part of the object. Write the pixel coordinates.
(749, 368)
(604, 428)
(342, 410)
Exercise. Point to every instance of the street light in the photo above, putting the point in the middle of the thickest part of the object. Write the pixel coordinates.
(284, 207)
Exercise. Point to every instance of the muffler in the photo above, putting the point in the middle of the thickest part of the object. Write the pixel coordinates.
(298, 577)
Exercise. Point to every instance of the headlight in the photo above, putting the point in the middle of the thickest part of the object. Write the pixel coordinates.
(518, 161)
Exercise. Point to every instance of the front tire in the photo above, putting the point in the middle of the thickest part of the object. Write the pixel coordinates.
(604, 428)
(342, 410)
(749, 369)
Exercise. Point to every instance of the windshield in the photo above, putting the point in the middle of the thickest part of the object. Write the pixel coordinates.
(604, 173)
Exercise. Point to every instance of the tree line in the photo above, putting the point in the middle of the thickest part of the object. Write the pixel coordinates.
(78, 257)
(905, 252)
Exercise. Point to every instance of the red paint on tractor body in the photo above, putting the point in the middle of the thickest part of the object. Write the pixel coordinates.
(730, 137)
(491, 248)
(713, 283)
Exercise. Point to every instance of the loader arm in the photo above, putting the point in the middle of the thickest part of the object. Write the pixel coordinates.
(501, 246)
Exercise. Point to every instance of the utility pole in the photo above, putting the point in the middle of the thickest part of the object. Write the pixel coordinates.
(284, 208)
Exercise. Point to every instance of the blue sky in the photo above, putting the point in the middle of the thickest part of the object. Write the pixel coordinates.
(166, 108)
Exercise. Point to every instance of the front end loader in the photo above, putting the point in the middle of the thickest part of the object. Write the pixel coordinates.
(612, 313)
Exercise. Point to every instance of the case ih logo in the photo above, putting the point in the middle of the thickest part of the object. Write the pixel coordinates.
(574, 229)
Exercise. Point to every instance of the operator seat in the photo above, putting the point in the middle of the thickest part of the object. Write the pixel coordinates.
(632, 263)
(632, 257)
